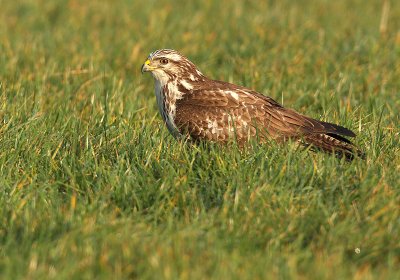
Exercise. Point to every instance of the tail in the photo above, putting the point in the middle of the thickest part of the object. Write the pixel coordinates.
(333, 143)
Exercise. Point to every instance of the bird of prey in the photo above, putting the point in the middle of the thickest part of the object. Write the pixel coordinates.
(199, 108)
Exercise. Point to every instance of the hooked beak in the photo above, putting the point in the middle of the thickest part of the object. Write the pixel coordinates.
(146, 67)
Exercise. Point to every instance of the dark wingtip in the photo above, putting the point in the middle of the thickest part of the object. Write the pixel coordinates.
(337, 129)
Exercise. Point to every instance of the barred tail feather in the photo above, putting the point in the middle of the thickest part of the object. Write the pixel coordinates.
(332, 143)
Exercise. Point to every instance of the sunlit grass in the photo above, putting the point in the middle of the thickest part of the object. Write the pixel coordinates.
(93, 185)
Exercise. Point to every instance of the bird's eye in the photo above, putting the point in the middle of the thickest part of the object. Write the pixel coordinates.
(164, 61)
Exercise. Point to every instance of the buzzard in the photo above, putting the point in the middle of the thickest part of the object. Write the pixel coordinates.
(200, 108)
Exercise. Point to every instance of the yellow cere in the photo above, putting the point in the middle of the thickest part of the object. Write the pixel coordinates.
(147, 62)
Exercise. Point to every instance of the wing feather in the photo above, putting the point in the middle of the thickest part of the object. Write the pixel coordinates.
(200, 111)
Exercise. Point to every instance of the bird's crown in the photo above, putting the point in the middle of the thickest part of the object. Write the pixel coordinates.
(166, 53)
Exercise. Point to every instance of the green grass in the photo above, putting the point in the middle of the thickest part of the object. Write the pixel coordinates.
(93, 186)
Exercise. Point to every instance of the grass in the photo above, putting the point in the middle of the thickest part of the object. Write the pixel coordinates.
(93, 186)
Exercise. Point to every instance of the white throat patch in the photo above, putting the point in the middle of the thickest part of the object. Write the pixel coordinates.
(169, 96)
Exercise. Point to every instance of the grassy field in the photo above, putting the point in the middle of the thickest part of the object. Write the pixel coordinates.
(93, 186)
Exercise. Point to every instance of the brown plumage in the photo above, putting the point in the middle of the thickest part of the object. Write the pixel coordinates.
(197, 107)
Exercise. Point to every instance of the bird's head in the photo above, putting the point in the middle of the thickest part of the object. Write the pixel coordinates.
(166, 65)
